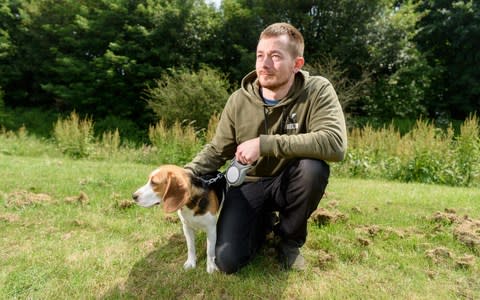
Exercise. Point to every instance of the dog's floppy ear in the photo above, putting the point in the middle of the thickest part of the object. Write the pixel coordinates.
(177, 192)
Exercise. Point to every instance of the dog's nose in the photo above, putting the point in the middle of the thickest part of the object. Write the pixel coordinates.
(135, 197)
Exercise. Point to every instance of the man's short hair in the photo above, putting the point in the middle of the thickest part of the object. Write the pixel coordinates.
(296, 44)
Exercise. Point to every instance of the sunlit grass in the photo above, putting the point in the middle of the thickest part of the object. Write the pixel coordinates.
(103, 247)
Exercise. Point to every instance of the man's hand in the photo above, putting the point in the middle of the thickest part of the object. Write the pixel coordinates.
(248, 152)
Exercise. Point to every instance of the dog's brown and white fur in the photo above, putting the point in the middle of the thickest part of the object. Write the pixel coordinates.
(196, 205)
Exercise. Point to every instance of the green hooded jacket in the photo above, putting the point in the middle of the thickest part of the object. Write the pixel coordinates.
(307, 123)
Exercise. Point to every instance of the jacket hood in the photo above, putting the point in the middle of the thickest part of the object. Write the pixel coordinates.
(251, 88)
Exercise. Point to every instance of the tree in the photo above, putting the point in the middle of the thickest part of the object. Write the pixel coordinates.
(400, 73)
(97, 57)
(449, 35)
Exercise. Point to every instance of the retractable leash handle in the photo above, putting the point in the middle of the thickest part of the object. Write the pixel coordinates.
(236, 173)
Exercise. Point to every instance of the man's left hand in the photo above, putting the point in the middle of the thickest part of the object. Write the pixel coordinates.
(248, 152)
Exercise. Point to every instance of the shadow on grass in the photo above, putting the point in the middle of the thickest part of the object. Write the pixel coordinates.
(160, 275)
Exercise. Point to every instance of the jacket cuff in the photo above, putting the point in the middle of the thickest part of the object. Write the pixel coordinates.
(266, 145)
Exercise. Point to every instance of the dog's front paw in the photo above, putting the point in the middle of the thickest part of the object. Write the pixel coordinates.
(189, 264)
(211, 266)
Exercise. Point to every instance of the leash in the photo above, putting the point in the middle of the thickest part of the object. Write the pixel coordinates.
(211, 181)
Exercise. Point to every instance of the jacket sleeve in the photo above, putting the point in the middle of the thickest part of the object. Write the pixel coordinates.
(326, 136)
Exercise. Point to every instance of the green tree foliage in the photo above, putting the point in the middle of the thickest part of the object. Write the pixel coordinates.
(97, 57)
(449, 35)
(183, 95)
(339, 29)
(377, 67)
(2, 109)
(391, 58)
(401, 75)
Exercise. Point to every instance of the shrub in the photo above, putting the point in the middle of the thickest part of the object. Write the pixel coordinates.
(74, 136)
(186, 95)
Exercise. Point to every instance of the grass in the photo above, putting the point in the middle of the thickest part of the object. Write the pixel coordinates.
(69, 231)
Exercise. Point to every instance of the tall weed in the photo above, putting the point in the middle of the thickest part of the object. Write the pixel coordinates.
(175, 144)
(429, 155)
(74, 136)
(212, 127)
(22, 143)
(426, 154)
(468, 150)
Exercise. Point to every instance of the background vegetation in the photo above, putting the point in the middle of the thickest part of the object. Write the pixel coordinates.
(110, 59)
(426, 154)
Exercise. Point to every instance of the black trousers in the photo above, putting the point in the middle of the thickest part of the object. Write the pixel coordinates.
(246, 214)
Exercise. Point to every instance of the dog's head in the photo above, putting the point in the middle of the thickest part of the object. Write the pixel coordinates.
(168, 184)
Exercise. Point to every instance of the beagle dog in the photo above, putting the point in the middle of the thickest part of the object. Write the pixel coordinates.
(196, 201)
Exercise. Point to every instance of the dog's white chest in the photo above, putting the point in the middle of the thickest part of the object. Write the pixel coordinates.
(203, 222)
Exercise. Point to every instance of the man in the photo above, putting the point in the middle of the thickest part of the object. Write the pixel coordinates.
(286, 124)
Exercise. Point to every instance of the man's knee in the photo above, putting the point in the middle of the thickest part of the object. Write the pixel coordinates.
(228, 259)
(312, 171)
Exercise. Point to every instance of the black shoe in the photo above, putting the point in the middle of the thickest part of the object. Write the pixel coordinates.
(290, 257)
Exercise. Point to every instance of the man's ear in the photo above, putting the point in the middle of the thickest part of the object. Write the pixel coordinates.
(299, 62)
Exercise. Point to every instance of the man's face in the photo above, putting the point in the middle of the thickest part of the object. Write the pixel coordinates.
(275, 65)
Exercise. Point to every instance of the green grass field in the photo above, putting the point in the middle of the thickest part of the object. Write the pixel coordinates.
(68, 230)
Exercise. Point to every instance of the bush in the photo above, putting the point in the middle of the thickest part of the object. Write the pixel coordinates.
(190, 96)
(74, 136)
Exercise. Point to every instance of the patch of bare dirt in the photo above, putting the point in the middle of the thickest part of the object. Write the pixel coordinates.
(442, 255)
(325, 259)
(364, 241)
(125, 204)
(25, 198)
(465, 261)
(172, 219)
(322, 216)
(374, 230)
(446, 216)
(438, 255)
(9, 218)
(82, 199)
(466, 230)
